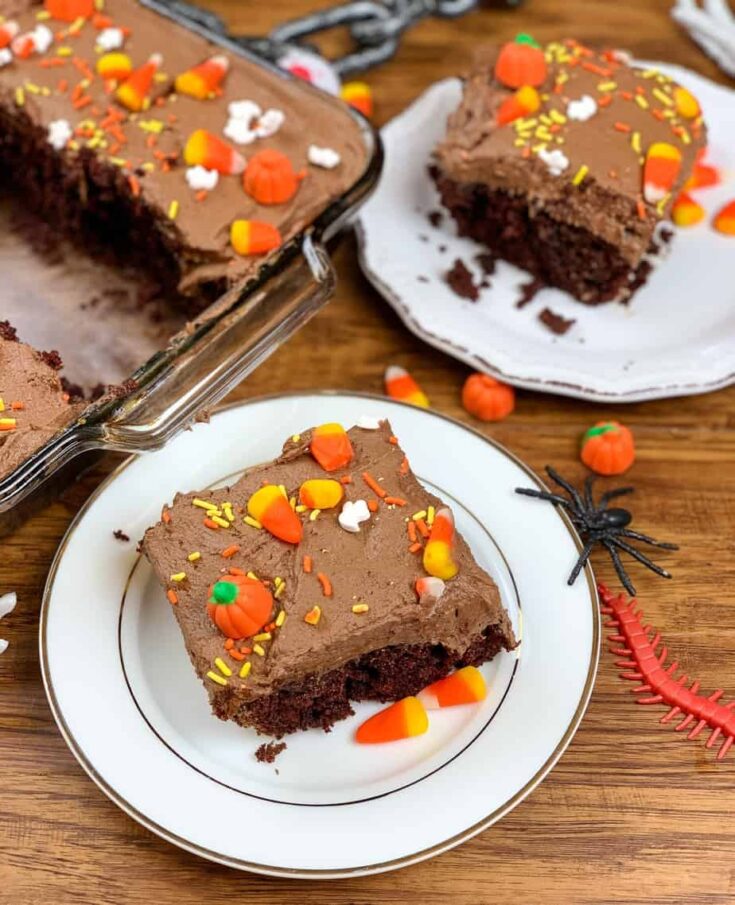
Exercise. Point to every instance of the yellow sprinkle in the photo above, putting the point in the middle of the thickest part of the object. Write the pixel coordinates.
(669, 114)
(607, 86)
(661, 205)
(222, 666)
(292, 502)
(148, 166)
(539, 147)
(301, 508)
(279, 590)
(64, 51)
(263, 636)
(151, 125)
(314, 515)
(254, 523)
(203, 504)
(257, 649)
(20, 97)
(685, 136)
(160, 77)
(519, 142)
(580, 174)
(282, 488)
(280, 618)
(245, 670)
(635, 142)
(173, 210)
(218, 520)
(360, 608)
(77, 25)
(42, 15)
(663, 97)
(33, 88)
(193, 557)
(277, 580)
(296, 438)
(118, 161)
(430, 513)
(557, 116)
(2, 404)
(178, 576)
(215, 678)
(73, 144)
(543, 133)
(229, 514)
(642, 102)
(649, 73)
(546, 120)
(419, 515)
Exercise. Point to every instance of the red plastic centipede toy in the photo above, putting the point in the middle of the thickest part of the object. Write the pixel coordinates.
(658, 683)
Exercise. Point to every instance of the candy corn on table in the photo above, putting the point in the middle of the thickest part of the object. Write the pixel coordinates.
(632, 813)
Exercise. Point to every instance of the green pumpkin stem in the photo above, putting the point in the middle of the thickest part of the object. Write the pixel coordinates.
(524, 38)
(224, 593)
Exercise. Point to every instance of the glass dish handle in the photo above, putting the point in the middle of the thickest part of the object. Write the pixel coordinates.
(220, 358)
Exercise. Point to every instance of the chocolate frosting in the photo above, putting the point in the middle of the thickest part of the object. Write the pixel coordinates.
(607, 200)
(200, 227)
(373, 567)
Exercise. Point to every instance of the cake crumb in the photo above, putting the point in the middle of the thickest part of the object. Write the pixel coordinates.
(121, 535)
(460, 281)
(487, 262)
(529, 291)
(269, 751)
(555, 322)
(435, 218)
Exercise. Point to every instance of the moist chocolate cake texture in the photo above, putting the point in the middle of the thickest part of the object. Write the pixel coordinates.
(343, 618)
(142, 140)
(563, 160)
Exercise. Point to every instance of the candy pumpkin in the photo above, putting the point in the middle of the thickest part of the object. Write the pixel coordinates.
(239, 606)
(608, 448)
(521, 62)
(269, 177)
(487, 398)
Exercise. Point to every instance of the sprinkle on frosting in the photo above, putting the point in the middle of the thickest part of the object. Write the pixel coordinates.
(353, 514)
(327, 158)
(199, 178)
(582, 109)
(556, 160)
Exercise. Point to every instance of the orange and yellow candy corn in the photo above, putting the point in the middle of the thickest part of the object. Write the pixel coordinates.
(404, 719)
(331, 446)
(133, 93)
(724, 220)
(438, 552)
(660, 171)
(69, 10)
(359, 96)
(203, 80)
(321, 493)
(429, 588)
(686, 211)
(686, 103)
(466, 686)
(270, 507)
(254, 237)
(115, 66)
(703, 176)
(523, 102)
(400, 385)
(207, 150)
(8, 31)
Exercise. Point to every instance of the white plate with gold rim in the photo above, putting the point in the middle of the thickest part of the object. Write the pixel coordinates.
(134, 714)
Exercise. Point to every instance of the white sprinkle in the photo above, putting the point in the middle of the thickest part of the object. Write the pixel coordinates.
(557, 161)
(199, 178)
(239, 131)
(59, 132)
(582, 109)
(110, 38)
(352, 514)
(367, 423)
(269, 123)
(8, 603)
(327, 158)
(5, 57)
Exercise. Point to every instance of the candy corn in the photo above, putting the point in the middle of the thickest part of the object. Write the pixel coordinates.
(466, 686)
(724, 221)
(686, 211)
(660, 171)
(207, 150)
(253, 237)
(524, 102)
(400, 385)
(359, 96)
(69, 10)
(270, 507)
(429, 588)
(321, 494)
(703, 176)
(331, 446)
(8, 30)
(116, 66)
(203, 80)
(686, 103)
(438, 556)
(314, 615)
(133, 93)
(404, 719)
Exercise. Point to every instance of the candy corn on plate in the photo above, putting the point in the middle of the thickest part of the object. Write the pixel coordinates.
(675, 337)
(392, 785)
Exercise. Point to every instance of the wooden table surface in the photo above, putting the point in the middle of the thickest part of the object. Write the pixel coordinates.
(633, 813)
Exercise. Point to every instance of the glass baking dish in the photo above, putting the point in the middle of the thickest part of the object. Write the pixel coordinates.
(213, 352)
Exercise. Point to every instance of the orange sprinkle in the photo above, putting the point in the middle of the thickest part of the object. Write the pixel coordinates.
(233, 570)
(236, 655)
(114, 148)
(246, 650)
(414, 548)
(151, 141)
(373, 484)
(394, 501)
(17, 406)
(208, 523)
(558, 88)
(229, 644)
(526, 152)
(626, 95)
(640, 89)
(201, 195)
(165, 516)
(270, 627)
(230, 551)
(621, 127)
(325, 583)
(77, 92)
(172, 118)
(555, 127)
(99, 21)
(404, 466)
(605, 100)
(50, 63)
(423, 527)
(641, 208)
(134, 185)
(345, 479)
(659, 114)
(412, 532)
(62, 86)
(613, 174)
(373, 505)
(172, 598)
(393, 440)
(598, 70)
(83, 67)
(308, 563)
(159, 101)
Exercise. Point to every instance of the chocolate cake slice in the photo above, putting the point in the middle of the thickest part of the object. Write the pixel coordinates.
(563, 161)
(304, 586)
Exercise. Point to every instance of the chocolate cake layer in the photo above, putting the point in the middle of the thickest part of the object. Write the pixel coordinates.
(375, 637)
(561, 189)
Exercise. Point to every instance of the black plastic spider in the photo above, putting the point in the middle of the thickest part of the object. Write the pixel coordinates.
(599, 525)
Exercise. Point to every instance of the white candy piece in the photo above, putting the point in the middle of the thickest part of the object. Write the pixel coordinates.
(3, 645)
(269, 123)
(582, 109)
(247, 110)
(42, 38)
(59, 132)
(353, 514)
(199, 178)
(247, 122)
(8, 603)
(367, 423)
(557, 161)
(5, 57)
(239, 131)
(110, 39)
(327, 158)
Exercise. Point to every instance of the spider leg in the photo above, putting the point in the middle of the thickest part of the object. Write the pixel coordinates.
(544, 495)
(588, 482)
(635, 535)
(636, 554)
(562, 482)
(612, 494)
(620, 568)
(581, 562)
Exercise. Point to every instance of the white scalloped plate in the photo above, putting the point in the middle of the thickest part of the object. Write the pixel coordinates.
(134, 714)
(677, 337)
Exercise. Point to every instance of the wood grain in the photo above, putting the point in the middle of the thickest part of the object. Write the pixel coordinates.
(632, 814)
